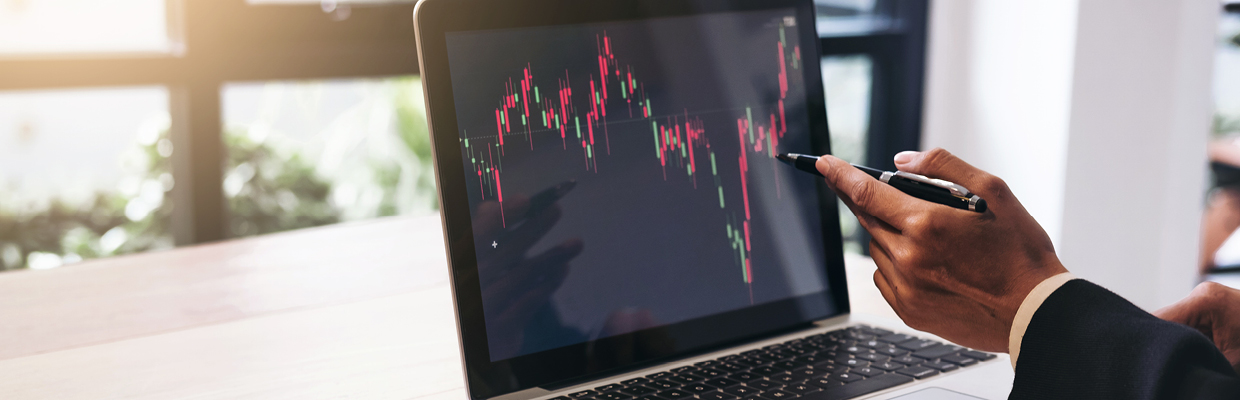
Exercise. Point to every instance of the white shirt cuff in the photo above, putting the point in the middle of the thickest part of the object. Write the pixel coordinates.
(1032, 302)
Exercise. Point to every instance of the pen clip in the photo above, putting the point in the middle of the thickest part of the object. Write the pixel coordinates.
(957, 190)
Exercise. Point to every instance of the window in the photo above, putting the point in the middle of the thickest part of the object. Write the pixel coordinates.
(873, 73)
(309, 153)
(152, 88)
(83, 173)
(212, 119)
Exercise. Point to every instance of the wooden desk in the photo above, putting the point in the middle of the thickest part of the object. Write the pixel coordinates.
(357, 310)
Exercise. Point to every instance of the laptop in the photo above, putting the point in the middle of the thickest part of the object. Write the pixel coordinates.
(618, 227)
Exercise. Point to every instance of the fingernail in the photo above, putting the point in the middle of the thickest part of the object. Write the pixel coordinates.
(905, 157)
(823, 165)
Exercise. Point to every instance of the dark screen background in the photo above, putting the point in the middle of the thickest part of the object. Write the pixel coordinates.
(655, 247)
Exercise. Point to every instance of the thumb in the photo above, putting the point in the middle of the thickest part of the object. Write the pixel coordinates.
(1181, 312)
(940, 164)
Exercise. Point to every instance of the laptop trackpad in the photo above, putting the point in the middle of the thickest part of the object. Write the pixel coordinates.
(936, 394)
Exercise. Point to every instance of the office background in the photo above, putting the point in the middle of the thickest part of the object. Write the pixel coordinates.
(141, 125)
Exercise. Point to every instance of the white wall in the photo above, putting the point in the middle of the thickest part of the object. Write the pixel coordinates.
(1096, 112)
(999, 82)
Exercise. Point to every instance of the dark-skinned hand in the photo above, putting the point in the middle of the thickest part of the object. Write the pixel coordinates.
(1214, 310)
(955, 273)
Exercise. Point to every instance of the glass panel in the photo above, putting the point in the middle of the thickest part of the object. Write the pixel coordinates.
(1220, 238)
(847, 82)
(83, 26)
(1227, 76)
(852, 17)
(304, 154)
(83, 173)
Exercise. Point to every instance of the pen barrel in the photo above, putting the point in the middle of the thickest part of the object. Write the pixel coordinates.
(807, 164)
(930, 193)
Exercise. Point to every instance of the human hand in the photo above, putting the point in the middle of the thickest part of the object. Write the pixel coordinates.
(1214, 310)
(955, 273)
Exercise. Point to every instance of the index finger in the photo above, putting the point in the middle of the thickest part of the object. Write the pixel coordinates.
(875, 198)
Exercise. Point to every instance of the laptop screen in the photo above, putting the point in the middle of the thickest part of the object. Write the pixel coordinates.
(622, 176)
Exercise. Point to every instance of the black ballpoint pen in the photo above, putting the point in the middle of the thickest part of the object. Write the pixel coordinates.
(928, 189)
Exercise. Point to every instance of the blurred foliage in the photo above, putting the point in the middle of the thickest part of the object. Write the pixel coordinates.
(269, 188)
(132, 219)
(270, 193)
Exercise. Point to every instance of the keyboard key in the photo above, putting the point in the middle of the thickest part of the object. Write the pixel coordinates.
(918, 372)
(915, 345)
(867, 386)
(709, 373)
(961, 361)
(745, 377)
(785, 365)
(853, 362)
(684, 369)
(583, 394)
(729, 358)
(784, 378)
(707, 364)
(934, 352)
(730, 368)
(768, 357)
(561, 398)
(749, 362)
(698, 388)
(867, 371)
(742, 391)
(977, 354)
(832, 368)
(675, 394)
(856, 350)
(825, 383)
(717, 396)
(907, 359)
(871, 357)
(872, 343)
(802, 388)
(939, 365)
(638, 391)
(663, 385)
(686, 379)
(751, 353)
(785, 353)
(764, 385)
(660, 375)
(722, 383)
(634, 381)
(807, 373)
(608, 388)
(847, 377)
(887, 366)
(613, 396)
(809, 360)
(766, 371)
(891, 351)
(896, 338)
(778, 395)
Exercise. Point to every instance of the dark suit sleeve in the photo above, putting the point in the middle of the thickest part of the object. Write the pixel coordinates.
(1086, 342)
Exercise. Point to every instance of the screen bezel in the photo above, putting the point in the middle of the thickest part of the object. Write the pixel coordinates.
(433, 19)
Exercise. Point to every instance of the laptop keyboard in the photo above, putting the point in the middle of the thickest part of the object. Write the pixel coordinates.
(840, 364)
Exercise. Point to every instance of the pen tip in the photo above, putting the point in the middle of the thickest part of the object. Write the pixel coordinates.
(784, 157)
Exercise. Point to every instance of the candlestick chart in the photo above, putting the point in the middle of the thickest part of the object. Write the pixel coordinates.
(577, 110)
